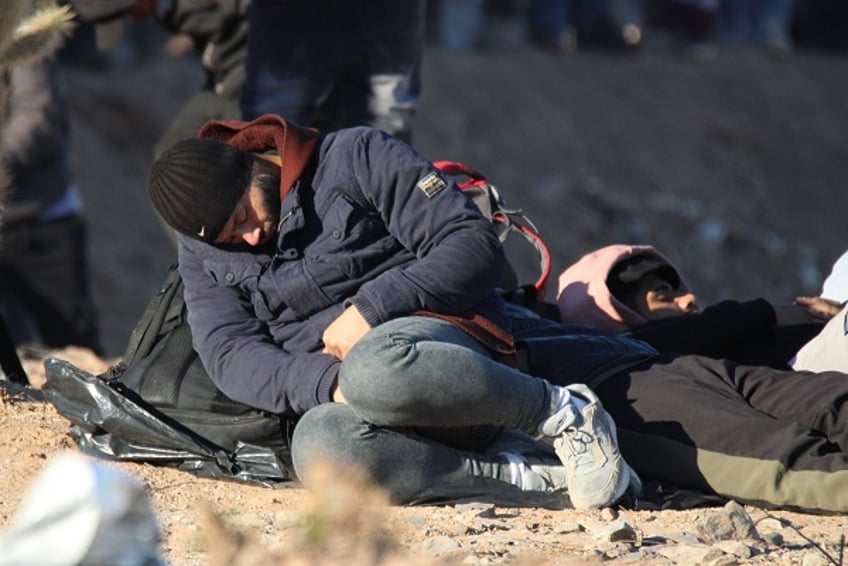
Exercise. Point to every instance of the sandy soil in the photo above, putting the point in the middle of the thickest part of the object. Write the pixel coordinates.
(210, 522)
(735, 168)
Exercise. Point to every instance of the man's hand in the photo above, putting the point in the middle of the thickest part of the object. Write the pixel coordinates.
(344, 332)
(819, 307)
(336, 394)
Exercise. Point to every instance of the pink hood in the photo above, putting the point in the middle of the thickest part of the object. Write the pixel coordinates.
(584, 298)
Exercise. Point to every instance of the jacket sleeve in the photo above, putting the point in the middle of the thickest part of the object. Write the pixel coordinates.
(460, 259)
(202, 19)
(719, 331)
(239, 354)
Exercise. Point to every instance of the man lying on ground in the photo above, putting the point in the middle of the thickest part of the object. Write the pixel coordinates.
(637, 290)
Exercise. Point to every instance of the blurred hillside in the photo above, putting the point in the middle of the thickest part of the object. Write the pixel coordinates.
(736, 168)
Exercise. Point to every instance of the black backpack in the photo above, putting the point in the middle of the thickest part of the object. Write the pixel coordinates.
(159, 404)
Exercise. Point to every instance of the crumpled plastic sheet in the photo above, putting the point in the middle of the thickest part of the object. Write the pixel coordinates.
(111, 425)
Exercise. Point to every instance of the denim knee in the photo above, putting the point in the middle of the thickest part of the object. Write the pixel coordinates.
(368, 366)
(322, 433)
(386, 368)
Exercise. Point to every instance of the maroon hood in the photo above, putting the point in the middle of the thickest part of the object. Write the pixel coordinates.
(293, 143)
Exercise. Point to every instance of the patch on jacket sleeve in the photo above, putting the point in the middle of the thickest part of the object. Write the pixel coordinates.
(432, 184)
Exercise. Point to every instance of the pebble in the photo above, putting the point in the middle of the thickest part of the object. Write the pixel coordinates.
(478, 509)
(770, 524)
(731, 522)
(815, 559)
(774, 538)
(609, 514)
(734, 547)
(440, 545)
(689, 554)
(618, 531)
(568, 528)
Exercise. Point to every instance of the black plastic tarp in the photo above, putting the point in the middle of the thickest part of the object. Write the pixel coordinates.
(111, 424)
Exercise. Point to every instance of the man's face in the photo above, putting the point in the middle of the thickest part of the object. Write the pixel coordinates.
(656, 298)
(255, 217)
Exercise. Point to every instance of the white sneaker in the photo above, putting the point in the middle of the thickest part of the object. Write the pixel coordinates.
(533, 465)
(587, 444)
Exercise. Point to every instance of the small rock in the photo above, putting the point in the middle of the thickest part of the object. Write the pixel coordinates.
(730, 523)
(477, 509)
(615, 550)
(568, 528)
(609, 514)
(440, 545)
(815, 559)
(685, 538)
(724, 560)
(772, 537)
(690, 554)
(734, 547)
(770, 524)
(618, 531)
(489, 525)
(454, 529)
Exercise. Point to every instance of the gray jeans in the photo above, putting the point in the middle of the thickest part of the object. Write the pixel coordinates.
(424, 404)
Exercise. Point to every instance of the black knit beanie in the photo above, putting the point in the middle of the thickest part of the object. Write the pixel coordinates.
(196, 184)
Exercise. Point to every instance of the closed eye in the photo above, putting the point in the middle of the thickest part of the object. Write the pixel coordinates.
(663, 292)
(231, 234)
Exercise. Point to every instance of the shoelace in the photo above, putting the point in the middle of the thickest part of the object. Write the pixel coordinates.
(578, 444)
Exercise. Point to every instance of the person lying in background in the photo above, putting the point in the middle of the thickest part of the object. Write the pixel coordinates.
(635, 289)
(828, 351)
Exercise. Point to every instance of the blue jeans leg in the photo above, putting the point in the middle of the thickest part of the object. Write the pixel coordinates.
(421, 371)
(410, 468)
(335, 63)
(424, 401)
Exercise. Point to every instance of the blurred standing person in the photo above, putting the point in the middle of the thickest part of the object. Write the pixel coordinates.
(820, 24)
(693, 23)
(458, 25)
(763, 23)
(560, 25)
(45, 294)
(551, 25)
(335, 63)
(218, 31)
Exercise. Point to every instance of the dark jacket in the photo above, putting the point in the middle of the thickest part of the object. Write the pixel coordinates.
(34, 142)
(572, 353)
(745, 332)
(358, 228)
(219, 31)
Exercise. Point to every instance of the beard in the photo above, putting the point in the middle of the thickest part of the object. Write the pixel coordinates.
(269, 186)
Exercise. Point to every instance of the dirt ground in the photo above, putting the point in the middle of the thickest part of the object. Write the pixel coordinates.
(736, 168)
(216, 523)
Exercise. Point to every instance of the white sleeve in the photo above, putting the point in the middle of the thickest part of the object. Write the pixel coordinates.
(836, 285)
